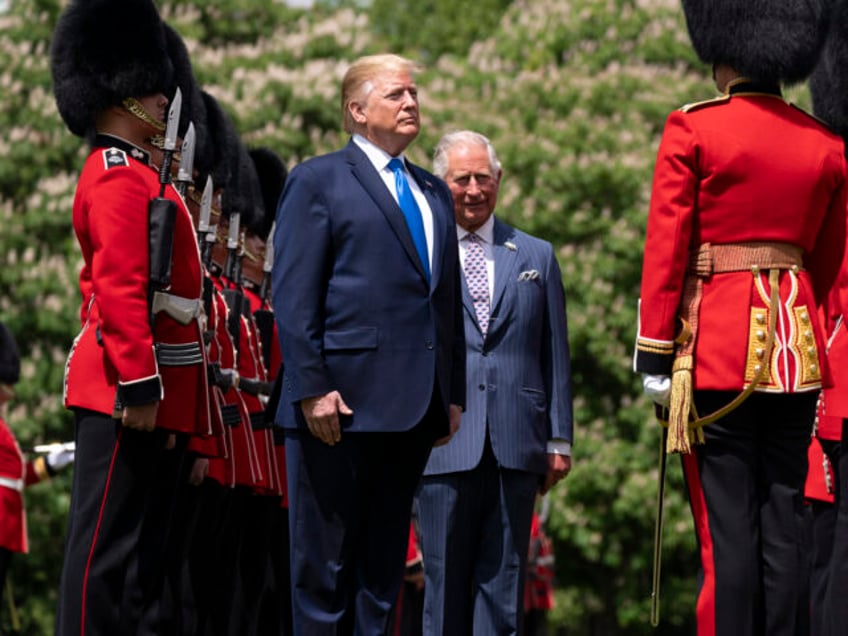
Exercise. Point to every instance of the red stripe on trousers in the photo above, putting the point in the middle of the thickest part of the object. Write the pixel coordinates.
(705, 610)
(97, 531)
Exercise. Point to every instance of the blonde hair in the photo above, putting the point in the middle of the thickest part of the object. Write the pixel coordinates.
(357, 83)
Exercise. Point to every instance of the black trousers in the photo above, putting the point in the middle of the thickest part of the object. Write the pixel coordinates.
(118, 529)
(822, 518)
(835, 615)
(745, 487)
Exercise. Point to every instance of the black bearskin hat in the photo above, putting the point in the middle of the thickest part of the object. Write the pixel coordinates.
(272, 175)
(765, 40)
(104, 51)
(829, 81)
(242, 193)
(214, 131)
(193, 107)
(10, 359)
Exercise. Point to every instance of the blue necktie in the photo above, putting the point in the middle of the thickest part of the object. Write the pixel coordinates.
(412, 213)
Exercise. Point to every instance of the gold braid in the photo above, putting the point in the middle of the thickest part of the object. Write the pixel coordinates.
(135, 107)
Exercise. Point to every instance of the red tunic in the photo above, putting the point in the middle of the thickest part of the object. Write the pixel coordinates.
(834, 402)
(743, 168)
(115, 348)
(15, 474)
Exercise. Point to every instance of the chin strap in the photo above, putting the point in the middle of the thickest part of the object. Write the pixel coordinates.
(135, 108)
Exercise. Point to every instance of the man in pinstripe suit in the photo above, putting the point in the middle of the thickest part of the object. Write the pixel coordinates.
(476, 499)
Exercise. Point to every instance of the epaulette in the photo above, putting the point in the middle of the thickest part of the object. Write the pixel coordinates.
(721, 99)
(815, 118)
(114, 157)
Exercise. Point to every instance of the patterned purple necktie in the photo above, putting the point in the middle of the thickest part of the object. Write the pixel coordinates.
(477, 278)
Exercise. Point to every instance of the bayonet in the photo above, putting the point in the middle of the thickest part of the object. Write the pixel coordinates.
(268, 264)
(172, 126)
(207, 234)
(185, 174)
(171, 129)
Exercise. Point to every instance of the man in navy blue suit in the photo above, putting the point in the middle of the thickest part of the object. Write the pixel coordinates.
(368, 302)
(477, 496)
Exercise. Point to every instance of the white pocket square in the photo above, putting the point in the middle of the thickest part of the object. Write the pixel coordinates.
(530, 274)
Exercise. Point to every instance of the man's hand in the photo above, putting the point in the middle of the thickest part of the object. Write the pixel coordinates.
(454, 417)
(140, 418)
(199, 470)
(558, 468)
(322, 416)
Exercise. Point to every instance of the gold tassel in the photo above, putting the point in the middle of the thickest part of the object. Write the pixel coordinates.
(680, 405)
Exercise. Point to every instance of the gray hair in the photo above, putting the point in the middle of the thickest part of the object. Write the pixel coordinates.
(462, 138)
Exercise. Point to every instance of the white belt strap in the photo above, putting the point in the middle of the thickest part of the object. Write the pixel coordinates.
(13, 484)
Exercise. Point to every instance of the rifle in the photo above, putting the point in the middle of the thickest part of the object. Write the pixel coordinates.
(185, 173)
(232, 272)
(264, 317)
(162, 212)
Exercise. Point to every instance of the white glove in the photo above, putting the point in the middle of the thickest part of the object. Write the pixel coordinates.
(60, 455)
(657, 388)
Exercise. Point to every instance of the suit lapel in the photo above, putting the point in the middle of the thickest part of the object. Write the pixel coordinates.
(364, 172)
(506, 263)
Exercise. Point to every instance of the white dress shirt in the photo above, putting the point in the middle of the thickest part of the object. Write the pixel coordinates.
(380, 159)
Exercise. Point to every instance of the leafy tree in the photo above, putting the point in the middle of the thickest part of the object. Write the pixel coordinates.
(428, 29)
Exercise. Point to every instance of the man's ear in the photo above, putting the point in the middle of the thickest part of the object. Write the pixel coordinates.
(357, 111)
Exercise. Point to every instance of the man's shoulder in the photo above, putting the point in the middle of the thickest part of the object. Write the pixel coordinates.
(515, 238)
(691, 107)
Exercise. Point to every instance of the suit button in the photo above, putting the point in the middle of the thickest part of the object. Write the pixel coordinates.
(428, 344)
(482, 387)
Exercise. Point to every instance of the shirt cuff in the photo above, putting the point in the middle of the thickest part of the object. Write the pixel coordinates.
(559, 447)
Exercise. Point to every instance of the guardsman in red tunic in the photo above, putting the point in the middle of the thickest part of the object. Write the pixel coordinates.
(15, 472)
(275, 610)
(136, 374)
(829, 586)
(746, 233)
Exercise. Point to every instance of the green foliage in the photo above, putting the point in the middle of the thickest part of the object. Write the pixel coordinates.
(573, 93)
(427, 29)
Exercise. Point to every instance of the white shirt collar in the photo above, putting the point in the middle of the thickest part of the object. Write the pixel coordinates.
(376, 155)
(486, 232)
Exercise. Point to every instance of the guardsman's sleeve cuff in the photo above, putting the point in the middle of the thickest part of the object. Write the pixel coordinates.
(654, 357)
(140, 392)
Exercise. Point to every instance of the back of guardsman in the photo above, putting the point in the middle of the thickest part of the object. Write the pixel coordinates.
(745, 236)
(136, 374)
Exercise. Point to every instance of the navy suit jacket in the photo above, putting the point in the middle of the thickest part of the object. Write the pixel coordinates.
(353, 306)
(519, 377)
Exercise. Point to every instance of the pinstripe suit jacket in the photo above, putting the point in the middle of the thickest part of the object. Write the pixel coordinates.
(518, 380)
